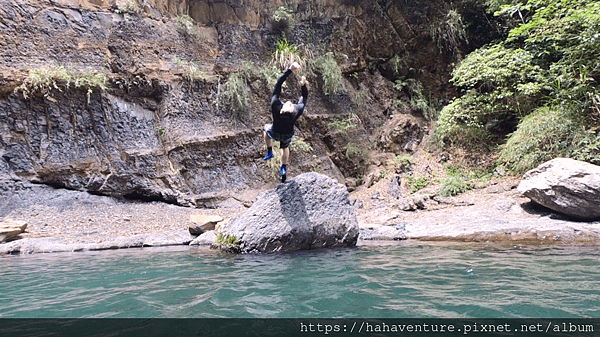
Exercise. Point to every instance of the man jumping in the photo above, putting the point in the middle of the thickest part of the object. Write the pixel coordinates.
(284, 118)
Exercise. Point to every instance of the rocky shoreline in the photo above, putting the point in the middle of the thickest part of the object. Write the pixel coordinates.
(61, 220)
(495, 213)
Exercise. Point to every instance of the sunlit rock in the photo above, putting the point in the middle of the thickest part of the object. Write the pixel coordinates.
(566, 186)
(310, 211)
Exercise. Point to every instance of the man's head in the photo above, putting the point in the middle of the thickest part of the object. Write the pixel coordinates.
(288, 107)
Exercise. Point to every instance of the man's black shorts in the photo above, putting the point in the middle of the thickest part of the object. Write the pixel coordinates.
(284, 140)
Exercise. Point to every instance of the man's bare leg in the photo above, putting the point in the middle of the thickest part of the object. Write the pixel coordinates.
(285, 157)
(268, 141)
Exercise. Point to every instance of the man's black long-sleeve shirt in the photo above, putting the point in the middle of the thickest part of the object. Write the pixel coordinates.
(284, 123)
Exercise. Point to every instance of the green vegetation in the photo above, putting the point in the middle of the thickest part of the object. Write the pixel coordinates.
(191, 71)
(344, 125)
(274, 162)
(547, 133)
(315, 166)
(453, 185)
(326, 66)
(129, 7)
(235, 94)
(283, 19)
(538, 86)
(44, 79)
(403, 161)
(461, 179)
(268, 74)
(186, 24)
(417, 99)
(358, 157)
(285, 54)
(361, 97)
(161, 133)
(333, 80)
(448, 33)
(397, 61)
(229, 240)
(299, 145)
(417, 184)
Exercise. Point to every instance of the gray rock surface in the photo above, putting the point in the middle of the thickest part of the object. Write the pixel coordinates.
(60, 220)
(53, 244)
(393, 232)
(311, 211)
(566, 186)
(205, 239)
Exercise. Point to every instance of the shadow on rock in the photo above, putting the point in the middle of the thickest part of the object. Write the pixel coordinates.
(311, 211)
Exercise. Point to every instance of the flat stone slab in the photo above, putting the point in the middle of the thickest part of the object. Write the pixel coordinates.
(10, 229)
(51, 245)
(203, 223)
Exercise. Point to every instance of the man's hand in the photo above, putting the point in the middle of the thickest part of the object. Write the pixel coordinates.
(295, 67)
(303, 81)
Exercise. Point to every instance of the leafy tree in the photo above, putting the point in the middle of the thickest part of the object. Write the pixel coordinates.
(549, 59)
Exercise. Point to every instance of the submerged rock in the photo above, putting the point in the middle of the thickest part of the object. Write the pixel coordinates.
(311, 211)
(566, 186)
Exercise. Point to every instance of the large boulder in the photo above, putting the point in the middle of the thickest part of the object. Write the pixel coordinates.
(311, 211)
(566, 186)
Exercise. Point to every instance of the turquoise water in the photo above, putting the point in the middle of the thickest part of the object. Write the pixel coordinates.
(396, 280)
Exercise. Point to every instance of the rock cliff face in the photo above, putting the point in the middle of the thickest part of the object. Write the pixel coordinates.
(149, 129)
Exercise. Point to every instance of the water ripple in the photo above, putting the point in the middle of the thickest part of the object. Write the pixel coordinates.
(395, 280)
